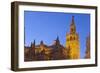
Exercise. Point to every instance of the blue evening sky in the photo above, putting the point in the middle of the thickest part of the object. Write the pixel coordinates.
(47, 26)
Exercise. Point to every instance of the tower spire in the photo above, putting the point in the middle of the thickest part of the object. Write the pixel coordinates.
(72, 26)
(33, 44)
(57, 40)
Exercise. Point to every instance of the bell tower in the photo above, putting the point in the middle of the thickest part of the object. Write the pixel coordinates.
(72, 41)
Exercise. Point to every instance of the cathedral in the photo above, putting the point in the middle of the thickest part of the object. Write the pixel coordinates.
(43, 52)
(56, 51)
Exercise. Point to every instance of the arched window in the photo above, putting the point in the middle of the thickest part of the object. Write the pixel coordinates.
(74, 37)
(71, 38)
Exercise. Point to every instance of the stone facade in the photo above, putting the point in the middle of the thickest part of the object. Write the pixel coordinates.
(44, 52)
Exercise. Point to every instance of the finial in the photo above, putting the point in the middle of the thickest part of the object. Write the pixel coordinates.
(34, 42)
(41, 42)
(72, 20)
(72, 16)
(57, 37)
